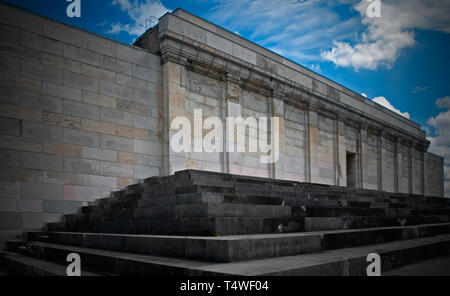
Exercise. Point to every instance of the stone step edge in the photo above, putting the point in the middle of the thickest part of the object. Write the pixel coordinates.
(308, 264)
(31, 266)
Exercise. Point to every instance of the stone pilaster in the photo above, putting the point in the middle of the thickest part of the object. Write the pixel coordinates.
(278, 111)
(363, 157)
(313, 145)
(341, 156)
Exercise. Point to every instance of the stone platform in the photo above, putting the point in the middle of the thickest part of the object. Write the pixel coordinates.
(204, 223)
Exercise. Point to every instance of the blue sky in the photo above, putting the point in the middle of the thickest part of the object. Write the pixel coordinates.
(400, 59)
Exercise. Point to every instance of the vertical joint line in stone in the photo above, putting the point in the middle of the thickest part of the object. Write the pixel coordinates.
(396, 171)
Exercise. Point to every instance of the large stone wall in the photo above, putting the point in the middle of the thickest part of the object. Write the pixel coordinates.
(323, 126)
(80, 116)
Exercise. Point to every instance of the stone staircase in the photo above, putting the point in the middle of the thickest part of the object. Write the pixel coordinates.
(204, 223)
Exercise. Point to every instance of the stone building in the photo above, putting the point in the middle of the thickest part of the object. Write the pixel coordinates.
(82, 115)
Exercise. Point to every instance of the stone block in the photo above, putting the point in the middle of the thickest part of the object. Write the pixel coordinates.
(116, 116)
(142, 172)
(9, 158)
(133, 133)
(61, 120)
(99, 154)
(10, 220)
(99, 100)
(149, 98)
(81, 54)
(134, 55)
(99, 44)
(76, 80)
(9, 126)
(98, 73)
(81, 193)
(81, 166)
(40, 43)
(42, 191)
(81, 110)
(146, 74)
(131, 82)
(40, 131)
(62, 149)
(115, 65)
(9, 34)
(18, 205)
(20, 144)
(117, 169)
(9, 64)
(41, 161)
(9, 95)
(61, 91)
(146, 147)
(83, 138)
(10, 189)
(115, 90)
(37, 221)
(41, 72)
(97, 181)
(62, 206)
(146, 122)
(62, 32)
(42, 102)
(116, 143)
(18, 18)
(133, 107)
(99, 127)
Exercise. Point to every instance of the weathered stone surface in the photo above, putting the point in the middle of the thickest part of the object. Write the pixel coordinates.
(41, 131)
(42, 191)
(9, 126)
(77, 137)
(41, 161)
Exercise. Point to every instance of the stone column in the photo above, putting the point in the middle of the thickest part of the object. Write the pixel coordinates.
(383, 174)
(313, 144)
(341, 156)
(278, 111)
(233, 108)
(410, 166)
(397, 165)
(363, 157)
(380, 162)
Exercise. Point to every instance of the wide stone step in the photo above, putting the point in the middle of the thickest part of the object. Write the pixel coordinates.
(336, 223)
(350, 261)
(335, 212)
(193, 226)
(241, 247)
(340, 262)
(23, 265)
(213, 210)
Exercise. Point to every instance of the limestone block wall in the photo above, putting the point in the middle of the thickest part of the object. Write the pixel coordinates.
(434, 173)
(80, 116)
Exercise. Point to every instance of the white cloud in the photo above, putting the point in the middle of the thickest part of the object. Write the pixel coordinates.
(294, 29)
(364, 95)
(385, 103)
(416, 89)
(443, 103)
(440, 143)
(385, 37)
(138, 12)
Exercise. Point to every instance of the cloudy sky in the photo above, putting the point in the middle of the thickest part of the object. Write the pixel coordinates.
(399, 60)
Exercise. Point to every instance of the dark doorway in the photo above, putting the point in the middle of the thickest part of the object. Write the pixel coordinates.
(351, 169)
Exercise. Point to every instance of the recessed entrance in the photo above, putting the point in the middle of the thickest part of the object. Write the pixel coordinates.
(351, 169)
